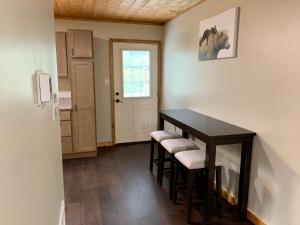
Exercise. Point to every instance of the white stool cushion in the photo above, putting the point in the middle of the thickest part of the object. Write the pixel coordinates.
(161, 135)
(178, 145)
(194, 159)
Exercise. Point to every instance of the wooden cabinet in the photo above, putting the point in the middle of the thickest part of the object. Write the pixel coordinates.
(83, 117)
(65, 128)
(76, 74)
(61, 54)
(66, 132)
(66, 145)
(65, 115)
(80, 44)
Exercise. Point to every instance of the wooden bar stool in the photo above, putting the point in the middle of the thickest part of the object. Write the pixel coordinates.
(194, 162)
(157, 137)
(173, 146)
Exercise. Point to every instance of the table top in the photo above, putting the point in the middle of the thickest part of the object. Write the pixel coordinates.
(207, 125)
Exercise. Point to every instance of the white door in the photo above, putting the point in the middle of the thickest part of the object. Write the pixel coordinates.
(135, 91)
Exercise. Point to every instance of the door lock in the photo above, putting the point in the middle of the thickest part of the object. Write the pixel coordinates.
(118, 101)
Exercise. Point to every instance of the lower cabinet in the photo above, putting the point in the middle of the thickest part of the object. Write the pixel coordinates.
(66, 132)
(65, 128)
(78, 133)
(66, 145)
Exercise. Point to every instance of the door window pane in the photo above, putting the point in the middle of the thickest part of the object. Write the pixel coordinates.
(136, 73)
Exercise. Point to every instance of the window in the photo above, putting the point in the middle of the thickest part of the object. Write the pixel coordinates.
(136, 73)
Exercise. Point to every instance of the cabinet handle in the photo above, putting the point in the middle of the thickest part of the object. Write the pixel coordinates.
(75, 108)
(73, 51)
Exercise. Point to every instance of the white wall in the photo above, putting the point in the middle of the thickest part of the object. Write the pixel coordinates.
(258, 90)
(102, 33)
(31, 188)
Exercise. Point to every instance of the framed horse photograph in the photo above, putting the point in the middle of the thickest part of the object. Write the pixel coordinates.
(218, 36)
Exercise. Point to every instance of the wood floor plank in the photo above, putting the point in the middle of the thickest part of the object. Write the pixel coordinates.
(91, 208)
(117, 189)
(89, 175)
(74, 213)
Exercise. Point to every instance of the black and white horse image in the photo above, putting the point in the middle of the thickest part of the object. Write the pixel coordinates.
(212, 42)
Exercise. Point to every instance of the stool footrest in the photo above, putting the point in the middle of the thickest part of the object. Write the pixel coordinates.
(155, 161)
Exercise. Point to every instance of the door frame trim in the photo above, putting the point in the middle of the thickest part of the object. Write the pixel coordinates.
(111, 64)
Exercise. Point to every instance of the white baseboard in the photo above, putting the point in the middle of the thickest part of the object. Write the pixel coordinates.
(62, 216)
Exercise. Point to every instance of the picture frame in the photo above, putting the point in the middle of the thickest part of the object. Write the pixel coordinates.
(218, 36)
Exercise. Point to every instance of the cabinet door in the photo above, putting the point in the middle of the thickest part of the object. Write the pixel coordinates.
(65, 128)
(80, 43)
(65, 115)
(83, 116)
(61, 54)
(66, 145)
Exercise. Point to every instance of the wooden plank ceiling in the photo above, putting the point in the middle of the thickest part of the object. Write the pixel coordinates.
(132, 11)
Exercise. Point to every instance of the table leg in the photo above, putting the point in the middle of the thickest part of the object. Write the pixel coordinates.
(185, 134)
(245, 175)
(161, 125)
(210, 165)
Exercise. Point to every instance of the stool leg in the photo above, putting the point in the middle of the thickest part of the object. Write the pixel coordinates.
(206, 208)
(202, 184)
(190, 183)
(205, 190)
(159, 162)
(151, 154)
(175, 180)
(171, 176)
(162, 166)
(219, 184)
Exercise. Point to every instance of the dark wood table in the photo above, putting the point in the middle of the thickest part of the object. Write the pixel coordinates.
(215, 132)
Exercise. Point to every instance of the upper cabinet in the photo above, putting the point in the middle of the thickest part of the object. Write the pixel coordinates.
(61, 54)
(80, 43)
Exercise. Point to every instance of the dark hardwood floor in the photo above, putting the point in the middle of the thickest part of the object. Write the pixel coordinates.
(117, 189)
